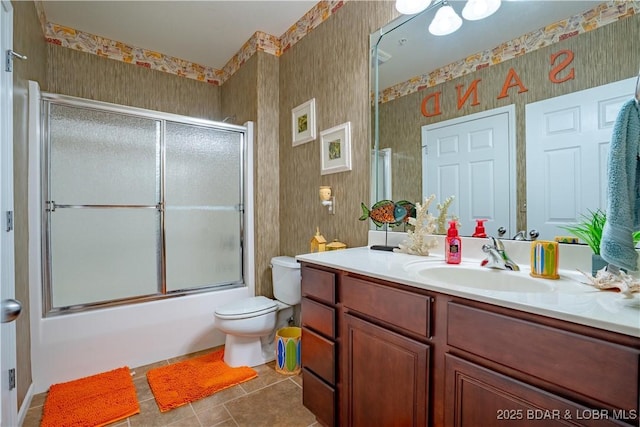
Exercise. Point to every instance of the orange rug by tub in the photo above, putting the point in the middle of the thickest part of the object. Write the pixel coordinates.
(192, 379)
(92, 401)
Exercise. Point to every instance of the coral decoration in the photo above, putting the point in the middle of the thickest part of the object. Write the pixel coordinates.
(442, 217)
(419, 240)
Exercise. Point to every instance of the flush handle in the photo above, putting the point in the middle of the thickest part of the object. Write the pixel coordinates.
(9, 59)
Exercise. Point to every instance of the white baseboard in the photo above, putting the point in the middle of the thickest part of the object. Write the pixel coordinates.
(26, 404)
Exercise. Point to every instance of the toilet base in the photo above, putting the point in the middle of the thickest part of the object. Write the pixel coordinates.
(242, 350)
(245, 351)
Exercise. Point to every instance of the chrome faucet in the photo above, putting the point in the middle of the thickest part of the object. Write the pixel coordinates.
(497, 256)
(520, 235)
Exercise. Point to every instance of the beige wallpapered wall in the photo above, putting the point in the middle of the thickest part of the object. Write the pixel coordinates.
(266, 172)
(84, 75)
(252, 94)
(331, 64)
(27, 40)
(602, 56)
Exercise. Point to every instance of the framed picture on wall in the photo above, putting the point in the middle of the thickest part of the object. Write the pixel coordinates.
(335, 149)
(303, 122)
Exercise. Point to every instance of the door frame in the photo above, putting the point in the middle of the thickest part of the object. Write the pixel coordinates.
(382, 173)
(8, 395)
(510, 110)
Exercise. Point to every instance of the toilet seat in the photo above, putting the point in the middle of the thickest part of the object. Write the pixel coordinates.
(249, 307)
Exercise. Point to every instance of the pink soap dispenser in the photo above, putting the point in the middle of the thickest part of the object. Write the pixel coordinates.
(453, 245)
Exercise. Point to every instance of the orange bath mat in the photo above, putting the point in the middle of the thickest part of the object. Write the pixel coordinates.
(91, 401)
(183, 382)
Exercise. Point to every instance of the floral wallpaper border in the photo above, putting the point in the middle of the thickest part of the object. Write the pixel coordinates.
(601, 15)
(259, 42)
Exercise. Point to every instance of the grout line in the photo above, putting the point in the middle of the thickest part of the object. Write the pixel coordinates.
(230, 416)
(249, 393)
(197, 417)
(268, 385)
(292, 380)
(195, 414)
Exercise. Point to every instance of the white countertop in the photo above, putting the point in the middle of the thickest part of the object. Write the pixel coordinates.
(567, 300)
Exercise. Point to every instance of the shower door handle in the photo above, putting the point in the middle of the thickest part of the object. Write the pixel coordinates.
(11, 309)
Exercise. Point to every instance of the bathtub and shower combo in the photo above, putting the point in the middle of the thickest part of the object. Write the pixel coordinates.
(140, 226)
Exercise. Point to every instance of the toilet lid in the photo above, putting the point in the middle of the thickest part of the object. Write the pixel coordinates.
(248, 307)
(285, 261)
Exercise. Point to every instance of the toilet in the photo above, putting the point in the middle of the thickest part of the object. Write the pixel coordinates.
(251, 324)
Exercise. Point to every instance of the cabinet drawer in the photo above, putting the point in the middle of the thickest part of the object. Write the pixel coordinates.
(319, 284)
(319, 355)
(599, 369)
(319, 317)
(406, 310)
(319, 398)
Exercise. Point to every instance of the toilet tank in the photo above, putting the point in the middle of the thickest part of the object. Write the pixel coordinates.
(285, 272)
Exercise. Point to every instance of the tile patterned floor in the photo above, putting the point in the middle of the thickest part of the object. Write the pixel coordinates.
(270, 400)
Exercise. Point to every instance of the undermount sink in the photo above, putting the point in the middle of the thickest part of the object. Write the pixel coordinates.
(476, 277)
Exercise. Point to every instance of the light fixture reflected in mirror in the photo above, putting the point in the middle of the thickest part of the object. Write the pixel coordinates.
(411, 7)
(480, 9)
(446, 21)
(327, 199)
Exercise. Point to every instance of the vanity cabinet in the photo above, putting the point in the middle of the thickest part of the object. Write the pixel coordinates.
(413, 357)
(385, 369)
(319, 347)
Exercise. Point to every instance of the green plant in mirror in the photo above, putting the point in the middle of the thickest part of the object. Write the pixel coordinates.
(589, 230)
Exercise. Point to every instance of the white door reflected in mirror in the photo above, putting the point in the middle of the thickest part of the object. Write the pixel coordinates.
(471, 158)
(567, 147)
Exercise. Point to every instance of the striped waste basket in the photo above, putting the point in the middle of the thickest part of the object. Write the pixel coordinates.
(288, 350)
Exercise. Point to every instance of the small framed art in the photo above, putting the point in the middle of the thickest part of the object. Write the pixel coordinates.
(335, 149)
(303, 122)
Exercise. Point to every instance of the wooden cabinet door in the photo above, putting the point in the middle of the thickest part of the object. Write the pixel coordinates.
(477, 396)
(386, 377)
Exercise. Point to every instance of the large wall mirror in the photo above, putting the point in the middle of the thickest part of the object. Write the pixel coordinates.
(491, 96)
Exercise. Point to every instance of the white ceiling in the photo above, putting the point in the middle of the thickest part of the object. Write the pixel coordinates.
(204, 32)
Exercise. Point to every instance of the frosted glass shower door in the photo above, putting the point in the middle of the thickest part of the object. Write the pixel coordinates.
(203, 197)
(103, 189)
